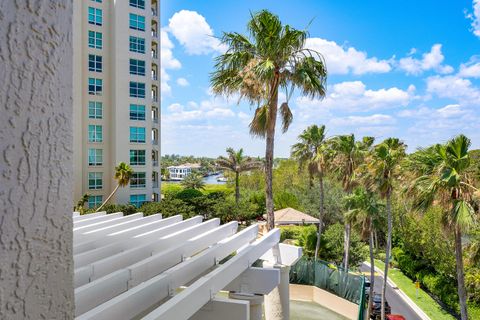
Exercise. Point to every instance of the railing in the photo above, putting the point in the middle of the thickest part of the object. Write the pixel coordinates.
(155, 184)
(154, 77)
(155, 142)
(154, 12)
(154, 34)
(155, 163)
(155, 99)
(154, 55)
(155, 120)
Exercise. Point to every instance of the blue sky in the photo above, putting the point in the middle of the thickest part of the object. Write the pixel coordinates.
(409, 69)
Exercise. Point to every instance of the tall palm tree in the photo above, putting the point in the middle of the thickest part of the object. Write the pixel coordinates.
(272, 57)
(365, 211)
(193, 181)
(237, 163)
(312, 151)
(443, 179)
(383, 168)
(123, 173)
(348, 156)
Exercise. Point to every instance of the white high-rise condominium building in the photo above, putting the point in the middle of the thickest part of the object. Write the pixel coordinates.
(116, 98)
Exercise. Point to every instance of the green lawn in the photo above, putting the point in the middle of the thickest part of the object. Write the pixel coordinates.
(424, 301)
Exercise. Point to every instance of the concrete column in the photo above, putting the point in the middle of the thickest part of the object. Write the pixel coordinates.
(36, 262)
(256, 303)
(277, 302)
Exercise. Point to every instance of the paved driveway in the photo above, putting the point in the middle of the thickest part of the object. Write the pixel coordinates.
(399, 306)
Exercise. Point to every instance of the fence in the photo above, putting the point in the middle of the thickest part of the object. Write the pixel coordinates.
(332, 279)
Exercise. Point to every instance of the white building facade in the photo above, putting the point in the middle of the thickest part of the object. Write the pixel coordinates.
(116, 98)
(179, 172)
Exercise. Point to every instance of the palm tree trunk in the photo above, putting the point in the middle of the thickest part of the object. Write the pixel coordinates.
(111, 195)
(237, 187)
(320, 216)
(346, 245)
(372, 271)
(272, 116)
(387, 252)
(462, 294)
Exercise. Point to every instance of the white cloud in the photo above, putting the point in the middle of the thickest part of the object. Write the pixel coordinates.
(194, 33)
(168, 61)
(475, 17)
(470, 69)
(353, 96)
(183, 82)
(205, 110)
(454, 87)
(430, 61)
(343, 60)
(372, 120)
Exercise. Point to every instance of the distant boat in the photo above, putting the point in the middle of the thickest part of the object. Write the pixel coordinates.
(222, 179)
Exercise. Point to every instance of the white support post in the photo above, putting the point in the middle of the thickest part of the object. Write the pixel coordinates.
(97, 221)
(277, 302)
(255, 281)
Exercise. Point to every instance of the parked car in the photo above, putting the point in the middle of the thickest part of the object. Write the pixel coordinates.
(377, 307)
(395, 317)
(367, 288)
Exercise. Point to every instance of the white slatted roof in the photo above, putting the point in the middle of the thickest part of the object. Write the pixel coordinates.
(129, 267)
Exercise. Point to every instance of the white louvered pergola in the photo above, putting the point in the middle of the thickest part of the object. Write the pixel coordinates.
(132, 267)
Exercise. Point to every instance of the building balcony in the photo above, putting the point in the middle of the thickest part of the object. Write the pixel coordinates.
(155, 120)
(154, 34)
(155, 99)
(154, 55)
(155, 142)
(154, 77)
(155, 163)
(155, 184)
(154, 12)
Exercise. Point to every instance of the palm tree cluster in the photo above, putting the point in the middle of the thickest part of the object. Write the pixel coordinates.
(439, 175)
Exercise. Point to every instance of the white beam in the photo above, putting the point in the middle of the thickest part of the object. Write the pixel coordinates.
(77, 218)
(186, 303)
(91, 256)
(149, 293)
(124, 234)
(107, 287)
(107, 223)
(222, 308)
(255, 281)
(95, 221)
(102, 231)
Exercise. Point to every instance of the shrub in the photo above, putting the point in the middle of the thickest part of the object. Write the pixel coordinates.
(149, 208)
(127, 209)
(188, 194)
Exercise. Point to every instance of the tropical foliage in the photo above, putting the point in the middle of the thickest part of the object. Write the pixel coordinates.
(123, 173)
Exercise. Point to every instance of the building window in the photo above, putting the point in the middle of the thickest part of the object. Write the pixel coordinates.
(99, 1)
(95, 39)
(95, 133)
(137, 112)
(138, 4)
(137, 22)
(137, 134)
(95, 110)
(137, 67)
(138, 199)
(137, 89)
(138, 180)
(94, 201)
(137, 44)
(95, 86)
(95, 16)
(95, 157)
(137, 157)
(94, 63)
(95, 180)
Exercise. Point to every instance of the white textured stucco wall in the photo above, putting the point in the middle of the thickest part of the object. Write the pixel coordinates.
(36, 263)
